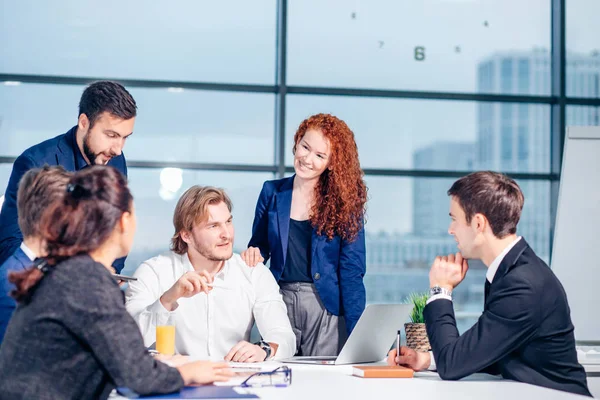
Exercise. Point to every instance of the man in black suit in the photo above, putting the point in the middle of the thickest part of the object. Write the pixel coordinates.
(525, 332)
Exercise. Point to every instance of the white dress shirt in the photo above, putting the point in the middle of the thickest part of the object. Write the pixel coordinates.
(489, 275)
(28, 252)
(207, 326)
(491, 272)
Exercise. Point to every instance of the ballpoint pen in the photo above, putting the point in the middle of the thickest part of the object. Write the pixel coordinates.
(398, 344)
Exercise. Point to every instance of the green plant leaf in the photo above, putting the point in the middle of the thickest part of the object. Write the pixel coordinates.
(419, 301)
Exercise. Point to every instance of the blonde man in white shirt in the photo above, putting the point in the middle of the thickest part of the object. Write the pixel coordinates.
(207, 291)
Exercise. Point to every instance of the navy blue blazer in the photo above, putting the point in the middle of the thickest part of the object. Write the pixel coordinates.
(337, 266)
(18, 261)
(525, 332)
(61, 150)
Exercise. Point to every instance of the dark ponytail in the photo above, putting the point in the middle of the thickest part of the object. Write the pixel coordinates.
(78, 222)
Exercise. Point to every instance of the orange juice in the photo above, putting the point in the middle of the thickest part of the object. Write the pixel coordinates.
(165, 339)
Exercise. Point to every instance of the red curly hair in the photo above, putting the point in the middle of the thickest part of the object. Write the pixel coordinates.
(341, 193)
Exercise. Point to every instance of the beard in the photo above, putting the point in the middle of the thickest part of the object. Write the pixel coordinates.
(87, 151)
(210, 254)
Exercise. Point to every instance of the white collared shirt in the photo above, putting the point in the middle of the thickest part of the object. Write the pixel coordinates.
(493, 268)
(28, 252)
(207, 326)
(489, 275)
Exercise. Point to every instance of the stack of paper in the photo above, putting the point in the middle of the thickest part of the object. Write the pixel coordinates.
(588, 354)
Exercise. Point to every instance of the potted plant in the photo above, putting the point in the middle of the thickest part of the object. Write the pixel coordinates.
(416, 334)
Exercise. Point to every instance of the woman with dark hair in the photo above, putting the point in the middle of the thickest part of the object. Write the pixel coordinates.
(311, 226)
(71, 336)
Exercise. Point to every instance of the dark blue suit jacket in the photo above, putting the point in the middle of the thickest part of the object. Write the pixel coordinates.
(525, 332)
(337, 266)
(16, 262)
(61, 150)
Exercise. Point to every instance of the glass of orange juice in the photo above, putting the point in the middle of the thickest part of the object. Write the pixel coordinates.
(165, 338)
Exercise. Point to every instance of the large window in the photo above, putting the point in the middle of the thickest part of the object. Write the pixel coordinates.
(172, 125)
(583, 48)
(432, 134)
(416, 45)
(213, 41)
(432, 90)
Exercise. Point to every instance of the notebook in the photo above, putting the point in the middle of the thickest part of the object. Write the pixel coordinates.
(382, 371)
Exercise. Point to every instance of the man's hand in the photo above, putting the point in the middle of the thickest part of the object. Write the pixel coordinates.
(190, 284)
(252, 256)
(410, 358)
(448, 271)
(246, 352)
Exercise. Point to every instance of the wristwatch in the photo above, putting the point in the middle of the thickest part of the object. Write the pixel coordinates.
(266, 347)
(439, 290)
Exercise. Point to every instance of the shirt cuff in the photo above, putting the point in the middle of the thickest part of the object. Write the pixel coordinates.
(160, 312)
(432, 366)
(439, 296)
(285, 345)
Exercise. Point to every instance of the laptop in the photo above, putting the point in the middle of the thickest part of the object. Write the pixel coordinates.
(372, 337)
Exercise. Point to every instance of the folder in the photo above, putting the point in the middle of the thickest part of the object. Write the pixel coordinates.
(382, 371)
(201, 392)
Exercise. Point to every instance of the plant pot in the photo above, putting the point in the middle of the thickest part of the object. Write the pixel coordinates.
(416, 337)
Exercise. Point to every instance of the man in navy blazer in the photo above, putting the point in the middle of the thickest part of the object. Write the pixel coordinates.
(525, 332)
(39, 187)
(106, 118)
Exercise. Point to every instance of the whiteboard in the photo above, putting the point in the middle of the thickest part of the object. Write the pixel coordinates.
(576, 248)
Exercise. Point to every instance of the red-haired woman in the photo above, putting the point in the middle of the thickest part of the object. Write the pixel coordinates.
(71, 336)
(311, 227)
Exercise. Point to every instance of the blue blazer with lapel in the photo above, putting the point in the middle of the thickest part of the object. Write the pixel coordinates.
(16, 262)
(61, 150)
(337, 266)
(524, 334)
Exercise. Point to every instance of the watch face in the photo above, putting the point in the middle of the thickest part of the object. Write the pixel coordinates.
(438, 290)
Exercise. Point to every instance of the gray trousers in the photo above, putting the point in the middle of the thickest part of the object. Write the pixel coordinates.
(318, 332)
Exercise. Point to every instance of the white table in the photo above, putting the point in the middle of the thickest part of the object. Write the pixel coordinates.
(337, 383)
(315, 382)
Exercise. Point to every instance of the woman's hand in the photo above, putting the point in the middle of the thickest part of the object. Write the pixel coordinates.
(252, 256)
(173, 361)
(204, 372)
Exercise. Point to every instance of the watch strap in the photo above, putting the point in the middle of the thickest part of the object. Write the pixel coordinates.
(439, 290)
(266, 347)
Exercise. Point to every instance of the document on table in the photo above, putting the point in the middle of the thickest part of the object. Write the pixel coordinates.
(244, 370)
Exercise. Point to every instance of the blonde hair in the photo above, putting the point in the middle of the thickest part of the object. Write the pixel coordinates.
(191, 210)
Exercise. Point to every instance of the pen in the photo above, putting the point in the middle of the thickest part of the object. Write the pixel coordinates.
(398, 344)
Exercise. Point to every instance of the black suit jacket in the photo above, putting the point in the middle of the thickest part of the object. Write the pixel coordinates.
(525, 332)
